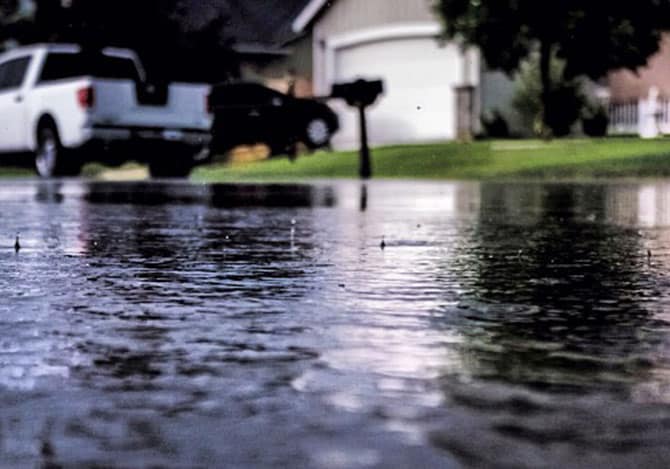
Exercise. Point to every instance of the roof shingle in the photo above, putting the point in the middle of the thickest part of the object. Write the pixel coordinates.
(262, 22)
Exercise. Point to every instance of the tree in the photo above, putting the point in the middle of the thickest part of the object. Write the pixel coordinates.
(590, 36)
(15, 20)
(567, 99)
(170, 46)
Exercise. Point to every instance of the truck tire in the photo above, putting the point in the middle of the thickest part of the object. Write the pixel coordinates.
(317, 133)
(51, 159)
(172, 165)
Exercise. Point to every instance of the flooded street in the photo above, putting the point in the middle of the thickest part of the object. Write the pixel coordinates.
(176, 325)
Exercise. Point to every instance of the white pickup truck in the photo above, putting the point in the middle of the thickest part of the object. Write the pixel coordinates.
(64, 107)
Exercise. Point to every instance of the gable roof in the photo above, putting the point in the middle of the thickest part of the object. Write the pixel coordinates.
(252, 24)
(260, 21)
(308, 13)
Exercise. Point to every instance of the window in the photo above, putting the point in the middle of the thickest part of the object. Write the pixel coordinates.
(13, 72)
(59, 66)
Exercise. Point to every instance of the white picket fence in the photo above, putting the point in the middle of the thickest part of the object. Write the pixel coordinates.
(624, 118)
(648, 117)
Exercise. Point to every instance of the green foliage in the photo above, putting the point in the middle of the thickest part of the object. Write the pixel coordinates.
(8, 8)
(15, 18)
(495, 125)
(595, 120)
(566, 99)
(171, 47)
(528, 97)
(590, 37)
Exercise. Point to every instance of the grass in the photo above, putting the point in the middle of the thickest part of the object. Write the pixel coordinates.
(10, 172)
(499, 159)
(513, 159)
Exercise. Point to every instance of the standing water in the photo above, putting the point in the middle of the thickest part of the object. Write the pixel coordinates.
(176, 325)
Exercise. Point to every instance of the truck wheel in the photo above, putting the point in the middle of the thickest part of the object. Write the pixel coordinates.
(172, 165)
(50, 158)
(317, 133)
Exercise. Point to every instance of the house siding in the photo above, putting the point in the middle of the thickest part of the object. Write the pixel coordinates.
(350, 15)
(497, 95)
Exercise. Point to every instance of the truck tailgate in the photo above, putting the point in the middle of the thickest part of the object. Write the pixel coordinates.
(116, 105)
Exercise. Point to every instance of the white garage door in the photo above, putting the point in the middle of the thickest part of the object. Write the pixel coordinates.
(419, 101)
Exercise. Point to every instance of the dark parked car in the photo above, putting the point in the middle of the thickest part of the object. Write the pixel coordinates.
(249, 113)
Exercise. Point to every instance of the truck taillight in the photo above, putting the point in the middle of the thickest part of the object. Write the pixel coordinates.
(86, 97)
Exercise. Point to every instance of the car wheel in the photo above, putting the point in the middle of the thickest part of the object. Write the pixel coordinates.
(317, 133)
(50, 157)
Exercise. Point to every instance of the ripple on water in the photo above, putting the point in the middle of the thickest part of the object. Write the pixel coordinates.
(178, 325)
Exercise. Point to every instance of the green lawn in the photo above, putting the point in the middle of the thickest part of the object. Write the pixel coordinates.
(499, 159)
(510, 159)
(11, 172)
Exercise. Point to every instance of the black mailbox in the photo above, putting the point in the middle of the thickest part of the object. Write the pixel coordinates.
(359, 93)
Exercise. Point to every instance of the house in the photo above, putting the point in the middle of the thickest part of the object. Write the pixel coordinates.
(625, 85)
(639, 102)
(433, 88)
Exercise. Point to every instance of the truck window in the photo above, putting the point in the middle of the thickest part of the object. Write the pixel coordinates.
(13, 72)
(59, 66)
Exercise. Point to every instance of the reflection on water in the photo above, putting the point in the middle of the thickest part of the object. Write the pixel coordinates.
(177, 325)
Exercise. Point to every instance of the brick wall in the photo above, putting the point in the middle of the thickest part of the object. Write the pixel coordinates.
(627, 86)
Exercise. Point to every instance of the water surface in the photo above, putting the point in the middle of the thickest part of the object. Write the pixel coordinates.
(177, 325)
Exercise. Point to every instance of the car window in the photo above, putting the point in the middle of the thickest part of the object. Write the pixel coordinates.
(267, 95)
(245, 94)
(13, 72)
(60, 66)
(231, 95)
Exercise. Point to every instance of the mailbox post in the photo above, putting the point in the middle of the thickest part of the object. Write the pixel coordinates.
(365, 169)
(360, 94)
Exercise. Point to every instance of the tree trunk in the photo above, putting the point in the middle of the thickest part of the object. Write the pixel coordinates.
(545, 80)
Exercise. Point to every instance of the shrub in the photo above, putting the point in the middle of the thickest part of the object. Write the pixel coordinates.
(595, 120)
(495, 125)
(565, 100)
